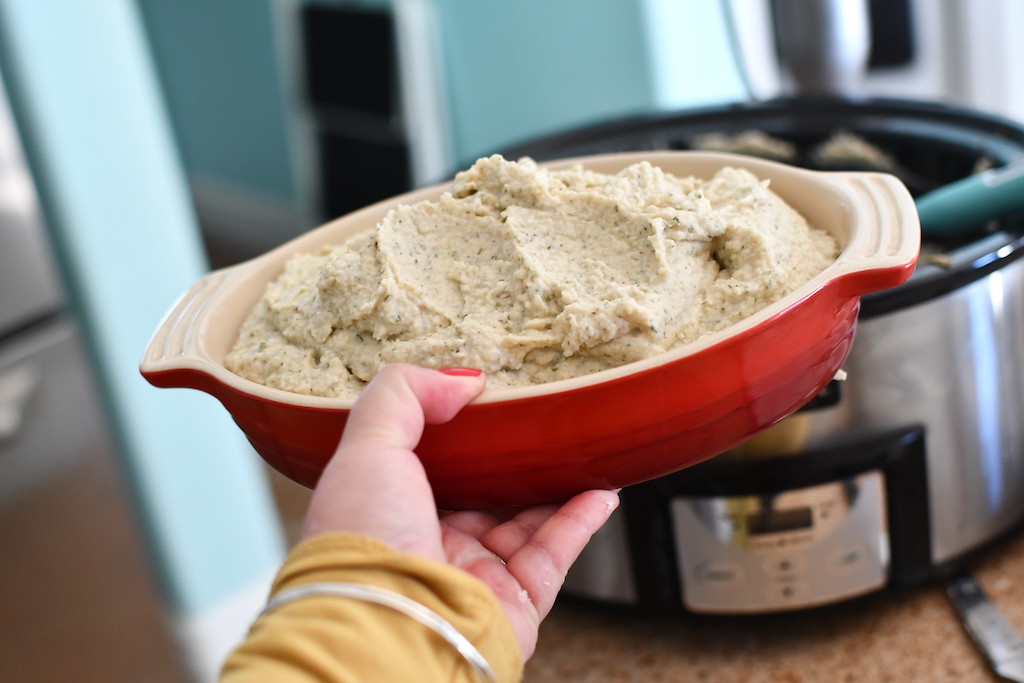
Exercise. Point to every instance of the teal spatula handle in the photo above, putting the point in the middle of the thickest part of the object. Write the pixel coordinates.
(972, 201)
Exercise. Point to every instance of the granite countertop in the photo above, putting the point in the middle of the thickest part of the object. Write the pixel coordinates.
(897, 635)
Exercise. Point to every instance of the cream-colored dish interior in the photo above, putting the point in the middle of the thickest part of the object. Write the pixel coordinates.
(872, 233)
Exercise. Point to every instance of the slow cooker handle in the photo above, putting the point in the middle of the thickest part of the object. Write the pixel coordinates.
(973, 200)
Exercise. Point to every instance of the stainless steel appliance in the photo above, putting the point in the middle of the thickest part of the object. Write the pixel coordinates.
(49, 413)
(899, 473)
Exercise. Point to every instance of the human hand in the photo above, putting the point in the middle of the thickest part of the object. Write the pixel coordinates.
(375, 485)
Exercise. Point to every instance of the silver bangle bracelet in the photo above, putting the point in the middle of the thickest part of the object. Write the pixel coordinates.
(399, 603)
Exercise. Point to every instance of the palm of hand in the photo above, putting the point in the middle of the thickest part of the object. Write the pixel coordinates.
(375, 485)
(523, 556)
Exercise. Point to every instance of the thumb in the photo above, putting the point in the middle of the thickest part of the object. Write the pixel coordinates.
(375, 484)
(402, 398)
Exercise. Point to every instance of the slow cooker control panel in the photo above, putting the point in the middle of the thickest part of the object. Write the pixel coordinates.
(785, 550)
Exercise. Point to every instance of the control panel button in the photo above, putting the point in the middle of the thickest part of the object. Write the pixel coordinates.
(848, 558)
(719, 573)
(787, 592)
(785, 565)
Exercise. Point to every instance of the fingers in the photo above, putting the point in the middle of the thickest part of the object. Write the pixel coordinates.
(471, 522)
(507, 538)
(524, 559)
(375, 484)
(401, 398)
(541, 559)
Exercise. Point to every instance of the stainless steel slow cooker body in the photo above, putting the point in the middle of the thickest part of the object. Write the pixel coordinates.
(897, 474)
(953, 364)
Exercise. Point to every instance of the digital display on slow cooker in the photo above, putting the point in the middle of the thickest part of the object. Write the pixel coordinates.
(779, 521)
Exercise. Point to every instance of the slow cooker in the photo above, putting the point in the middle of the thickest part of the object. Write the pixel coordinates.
(900, 472)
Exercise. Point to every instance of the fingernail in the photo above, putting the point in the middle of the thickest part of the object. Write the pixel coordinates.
(462, 372)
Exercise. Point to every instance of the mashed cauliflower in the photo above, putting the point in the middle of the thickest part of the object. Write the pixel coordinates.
(531, 275)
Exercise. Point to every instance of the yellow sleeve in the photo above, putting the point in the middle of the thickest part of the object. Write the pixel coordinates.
(328, 638)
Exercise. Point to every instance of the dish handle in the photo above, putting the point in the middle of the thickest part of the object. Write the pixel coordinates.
(173, 357)
(884, 248)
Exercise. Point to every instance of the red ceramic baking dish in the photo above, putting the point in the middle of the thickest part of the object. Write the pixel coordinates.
(609, 429)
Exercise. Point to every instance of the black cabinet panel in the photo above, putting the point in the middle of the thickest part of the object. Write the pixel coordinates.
(357, 172)
(353, 93)
(350, 59)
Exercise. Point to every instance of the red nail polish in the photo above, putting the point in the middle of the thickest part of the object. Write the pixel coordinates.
(462, 372)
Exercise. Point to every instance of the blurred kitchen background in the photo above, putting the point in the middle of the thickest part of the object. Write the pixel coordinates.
(144, 142)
